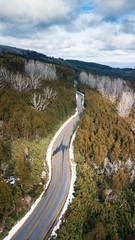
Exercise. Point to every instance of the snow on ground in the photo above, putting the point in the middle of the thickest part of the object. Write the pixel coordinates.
(72, 185)
(49, 152)
(11, 180)
(82, 96)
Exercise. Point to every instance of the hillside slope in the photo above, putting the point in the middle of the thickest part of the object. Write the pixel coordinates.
(104, 204)
(35, 100)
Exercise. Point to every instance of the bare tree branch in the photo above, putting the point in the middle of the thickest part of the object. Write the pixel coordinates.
(112, 89)
(49, 93)
(126, 103)
(20, 83)
(38, 102)
(38, 71)
(2, 84)
(5, 77)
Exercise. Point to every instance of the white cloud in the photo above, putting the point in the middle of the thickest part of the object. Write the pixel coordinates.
(114, 7)
(98, 44)
(84, 21)
(128, 24)
(61, 28)
(2, 27)
(41, 11)
(123, 42)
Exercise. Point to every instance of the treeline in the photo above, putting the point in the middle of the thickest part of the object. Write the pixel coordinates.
(112, 88)
(104, 205)
(104, 70)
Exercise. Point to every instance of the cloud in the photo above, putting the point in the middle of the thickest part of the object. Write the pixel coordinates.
(33, 11)
(75, 29)
(84, 21)
(89, 20)
(128, 25)
(114, 7)
(93, 44)
(121, 42)
(2, 27)
(23, 19)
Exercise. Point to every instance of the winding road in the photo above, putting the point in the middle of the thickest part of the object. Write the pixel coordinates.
(41, 222)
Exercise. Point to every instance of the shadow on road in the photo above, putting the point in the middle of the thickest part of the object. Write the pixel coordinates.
(59, 148)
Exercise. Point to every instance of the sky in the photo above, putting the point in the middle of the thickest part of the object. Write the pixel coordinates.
(101, 31)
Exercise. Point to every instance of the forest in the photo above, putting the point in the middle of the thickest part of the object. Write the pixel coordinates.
(104, 203)
(35, 99)
(36, 96)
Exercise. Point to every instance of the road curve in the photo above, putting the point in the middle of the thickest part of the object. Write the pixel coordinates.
(41, 222)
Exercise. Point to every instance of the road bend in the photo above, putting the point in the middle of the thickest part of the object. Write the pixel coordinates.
(40, 223)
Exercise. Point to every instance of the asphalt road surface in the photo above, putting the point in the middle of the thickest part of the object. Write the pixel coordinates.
(41, 222)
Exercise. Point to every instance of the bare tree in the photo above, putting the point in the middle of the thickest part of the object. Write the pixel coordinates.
(112, 89)
(50, 72)
(5, 74)
(49, 93)
(20, 83)
(126, 103)
(84, 78)
(38, 71)
(33, 71)
(5, 77)
(109, 87)
(2, 83)
(38, 102)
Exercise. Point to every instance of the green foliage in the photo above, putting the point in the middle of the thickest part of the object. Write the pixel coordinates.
(4, 151)
(13, 63)
(103, 133)
(9, 223)
(21, 120)
(5, 197)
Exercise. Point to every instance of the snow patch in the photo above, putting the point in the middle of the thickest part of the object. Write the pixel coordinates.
(110, 168)
(11, 180)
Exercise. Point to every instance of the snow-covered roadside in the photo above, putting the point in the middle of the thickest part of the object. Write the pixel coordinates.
(49, 152)
(82, 96)
(23, 220)
(72, 185)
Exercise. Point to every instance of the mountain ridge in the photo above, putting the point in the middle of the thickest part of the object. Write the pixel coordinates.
(77, 65)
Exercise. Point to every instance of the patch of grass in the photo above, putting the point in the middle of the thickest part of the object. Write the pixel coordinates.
(9, 223)
(36, 191)
(3, 234)
(21, 214)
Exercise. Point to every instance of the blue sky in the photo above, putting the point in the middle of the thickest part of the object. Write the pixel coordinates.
(100, 31)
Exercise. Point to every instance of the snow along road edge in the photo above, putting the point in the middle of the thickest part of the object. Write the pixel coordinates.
(70, 196)
(72, 187)
(49, 152)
